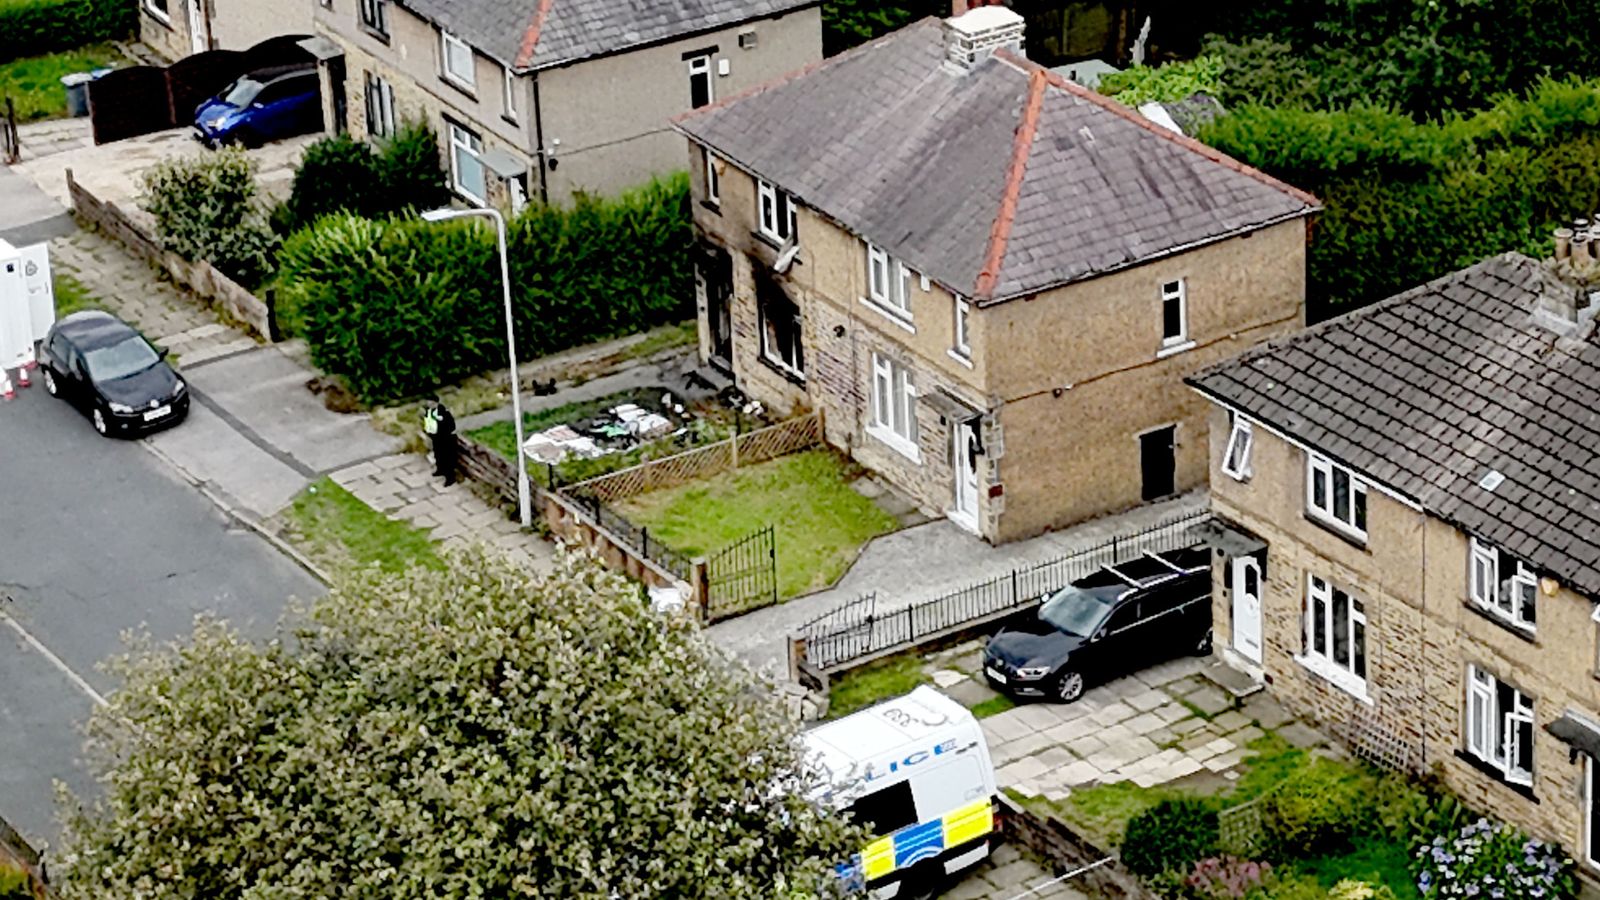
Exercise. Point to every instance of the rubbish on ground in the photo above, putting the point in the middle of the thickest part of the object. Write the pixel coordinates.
(616, 430)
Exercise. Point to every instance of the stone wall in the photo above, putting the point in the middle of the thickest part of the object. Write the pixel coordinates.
(1066, 851)
(199, 277)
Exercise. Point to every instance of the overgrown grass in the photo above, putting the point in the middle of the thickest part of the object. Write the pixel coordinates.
(820, 522)
(34, 82)
(72, 296)
(1101, 813)
(993, 706)
(665, 337)
(1373, 858)
(338, 531)
(873, 682)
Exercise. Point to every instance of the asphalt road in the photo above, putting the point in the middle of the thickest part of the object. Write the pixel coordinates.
(98, 537)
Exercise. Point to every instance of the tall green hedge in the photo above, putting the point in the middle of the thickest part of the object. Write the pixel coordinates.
(402, 306)
(341, 174)
(34, 27)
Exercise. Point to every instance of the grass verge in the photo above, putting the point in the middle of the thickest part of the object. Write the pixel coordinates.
(338, 531)
(860, 688)
(34, 82)
(820, 522)
(993, 706)
(72, 296)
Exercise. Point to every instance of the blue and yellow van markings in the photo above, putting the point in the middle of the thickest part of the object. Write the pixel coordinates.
(926, 840)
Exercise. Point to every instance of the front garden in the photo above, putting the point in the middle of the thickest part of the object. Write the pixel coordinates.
(34, 82)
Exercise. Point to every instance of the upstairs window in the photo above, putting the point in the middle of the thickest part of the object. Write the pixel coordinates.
(963, 334)
(1335, 496)
(1174, 315)
(1500, 584)
(699, 81)
(1236, 458)
(509, 95)
(713, 184)
(458, 65)
(774, 212)
(888, 282)
(375, 16)
(1499, 725)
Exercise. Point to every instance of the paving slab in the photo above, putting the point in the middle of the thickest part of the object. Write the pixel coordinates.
(1266, 711)
(208, 450)
(1147, 700)
(1056, 757)
(1144, 723)
(1210, 700)
(1004, 727)
(945, 678)
(1232, 720)
(1112, 713)
(969, 692)
(1020, 770)
(1301, 735)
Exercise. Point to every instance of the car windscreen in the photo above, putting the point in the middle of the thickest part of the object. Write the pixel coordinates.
(242, 93)
(129, 356)
(1075, 611)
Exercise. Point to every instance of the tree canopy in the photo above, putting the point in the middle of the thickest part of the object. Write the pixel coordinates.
(473, 732)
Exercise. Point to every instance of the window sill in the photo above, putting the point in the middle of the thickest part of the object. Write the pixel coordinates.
(1525, 632)
(381, 37)
(773, 242)
(960, 357)
(713, 207)
(465, 197)
(1494, 772)
(1336, 677)
(1241, 477)
(510, 120)
(901, 319)
(163, 19)
(793, 377)
(1339, 529)
(896, 443)
(1174, 349)
(468, 91)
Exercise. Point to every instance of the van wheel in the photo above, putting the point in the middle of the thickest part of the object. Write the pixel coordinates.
(1069, 687)
(925, 881)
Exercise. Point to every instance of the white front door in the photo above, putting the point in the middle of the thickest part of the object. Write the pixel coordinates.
(1591, 818)
(1247, 608)
(964, 510)
(197, 27)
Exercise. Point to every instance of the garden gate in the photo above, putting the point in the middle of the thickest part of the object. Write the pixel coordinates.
(10, 147)
(742, 576)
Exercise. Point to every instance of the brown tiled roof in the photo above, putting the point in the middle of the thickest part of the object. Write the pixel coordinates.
(998, 182)
(1429, 391)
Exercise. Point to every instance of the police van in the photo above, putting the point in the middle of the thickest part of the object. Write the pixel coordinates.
(916, 771)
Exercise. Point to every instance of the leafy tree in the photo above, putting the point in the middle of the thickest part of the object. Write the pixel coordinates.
(1163, 84)
(471, 733)
(846, 23)
(205, 209)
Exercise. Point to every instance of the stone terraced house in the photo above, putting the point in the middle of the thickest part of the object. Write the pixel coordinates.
(991, 281)
(543, 99)
(1414, 495)
(179, 28)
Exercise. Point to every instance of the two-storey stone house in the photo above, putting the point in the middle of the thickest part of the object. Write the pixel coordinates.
(990, 280)
(547, 98)
(179, 28)
(1414, 491)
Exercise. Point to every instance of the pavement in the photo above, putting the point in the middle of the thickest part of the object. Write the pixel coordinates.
(30, 214)
(921, 563)
(101, 537)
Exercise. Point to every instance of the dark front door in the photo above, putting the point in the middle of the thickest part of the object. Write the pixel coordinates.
(1157, 462)
(716, 279)
(336, 85)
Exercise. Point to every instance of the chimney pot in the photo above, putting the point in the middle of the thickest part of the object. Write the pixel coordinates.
(1563, 243)
(973, 36)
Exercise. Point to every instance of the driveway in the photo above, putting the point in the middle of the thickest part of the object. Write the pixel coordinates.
(100, 537)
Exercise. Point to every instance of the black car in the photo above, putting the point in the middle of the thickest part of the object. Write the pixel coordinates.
(1119, 619)
(100, 364)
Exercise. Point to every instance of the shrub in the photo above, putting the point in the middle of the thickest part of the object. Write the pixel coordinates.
(1226, 877)
(205, 209)
(1172, 835)
(35, 27)
(341, 174)
(1481, 859)
(15, 883)
(1171, 82)
(1411, 811)
(1316, 810)
(410, 169)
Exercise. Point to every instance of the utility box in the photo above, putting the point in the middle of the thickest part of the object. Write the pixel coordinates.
(27, 301)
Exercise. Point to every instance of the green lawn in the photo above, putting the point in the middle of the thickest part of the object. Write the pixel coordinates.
(72, 296)
(34, 82)
(337, 530)
(993, 706)
(861, 687)
(820, 521)
(1372, 859)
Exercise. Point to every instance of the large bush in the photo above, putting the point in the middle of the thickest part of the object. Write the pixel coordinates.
(1487, 860)
(34, 27)
(1316, 810)
(1171, 836)
(340, 174)
(400, 307)
(205, 209)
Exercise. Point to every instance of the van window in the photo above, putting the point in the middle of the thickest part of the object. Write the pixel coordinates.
(884, 811)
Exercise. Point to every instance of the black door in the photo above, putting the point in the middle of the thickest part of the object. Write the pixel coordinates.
(336, 85)
(1119, 645)
(1157, 462)
(716, 276)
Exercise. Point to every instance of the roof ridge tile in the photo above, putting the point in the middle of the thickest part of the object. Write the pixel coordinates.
(1006, 215)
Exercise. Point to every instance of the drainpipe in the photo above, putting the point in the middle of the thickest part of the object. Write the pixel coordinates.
(538, 136)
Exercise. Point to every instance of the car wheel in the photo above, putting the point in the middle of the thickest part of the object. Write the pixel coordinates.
(1069, 687)
(99, 418)
(1204, 647)
(50, 386)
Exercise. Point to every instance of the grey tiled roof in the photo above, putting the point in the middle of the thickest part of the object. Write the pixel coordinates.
(915, 157)
(1428, 391)
(564, 31)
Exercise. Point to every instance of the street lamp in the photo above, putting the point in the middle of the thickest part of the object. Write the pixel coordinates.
(524, 503)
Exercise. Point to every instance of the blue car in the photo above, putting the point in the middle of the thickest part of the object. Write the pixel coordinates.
(262, 106)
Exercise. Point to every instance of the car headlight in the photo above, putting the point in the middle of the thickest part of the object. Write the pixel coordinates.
(179, 388)
(1033, 671)
(216, 122)
(120, 407)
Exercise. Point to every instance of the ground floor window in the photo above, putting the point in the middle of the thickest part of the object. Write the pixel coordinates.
(380, 107)
(1499, 725)
(894, 405)
(467, 173)
(781, 342)
(1336, 634)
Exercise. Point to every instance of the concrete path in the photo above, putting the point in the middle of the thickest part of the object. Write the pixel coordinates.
(641, 375)
(52, 136)
(1010, 874)
(27, 214)
(919, 564)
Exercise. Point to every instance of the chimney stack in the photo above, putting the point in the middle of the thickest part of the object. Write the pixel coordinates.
(1564, 243)
(972, 36)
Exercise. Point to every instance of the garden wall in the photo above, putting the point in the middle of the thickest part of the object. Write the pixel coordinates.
(15, 851)
(200, 277)
(1065, 850)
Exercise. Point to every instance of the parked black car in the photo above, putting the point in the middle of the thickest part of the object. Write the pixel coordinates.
(1119, 619)
(101, 365)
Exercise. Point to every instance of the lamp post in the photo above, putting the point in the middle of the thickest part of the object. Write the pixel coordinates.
(524, 503)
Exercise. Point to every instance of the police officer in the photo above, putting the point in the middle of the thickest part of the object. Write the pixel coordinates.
(440, 426)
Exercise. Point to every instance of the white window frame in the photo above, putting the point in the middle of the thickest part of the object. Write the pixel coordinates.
(463, 140)
(888, 282)
(1484, 583)
(1340, 520)
(1485, 720)
(771, 204)
(509, 95)
(713, 183)
(1591, 840)
(771, 354)
(1175, 291)
(701, 65)
(1236, 456)
(374, 15)
(381, 121)
(447, 43)
(1341, 675)
(962, 328)
(893, 396)
(164, 15)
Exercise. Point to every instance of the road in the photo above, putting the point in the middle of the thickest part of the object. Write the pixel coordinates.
(98, 537)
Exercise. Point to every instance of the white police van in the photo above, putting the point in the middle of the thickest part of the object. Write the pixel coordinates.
(916, 771)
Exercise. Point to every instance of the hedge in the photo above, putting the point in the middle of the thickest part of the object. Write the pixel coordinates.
(400, 307)
(340, 174)
(36, 27)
